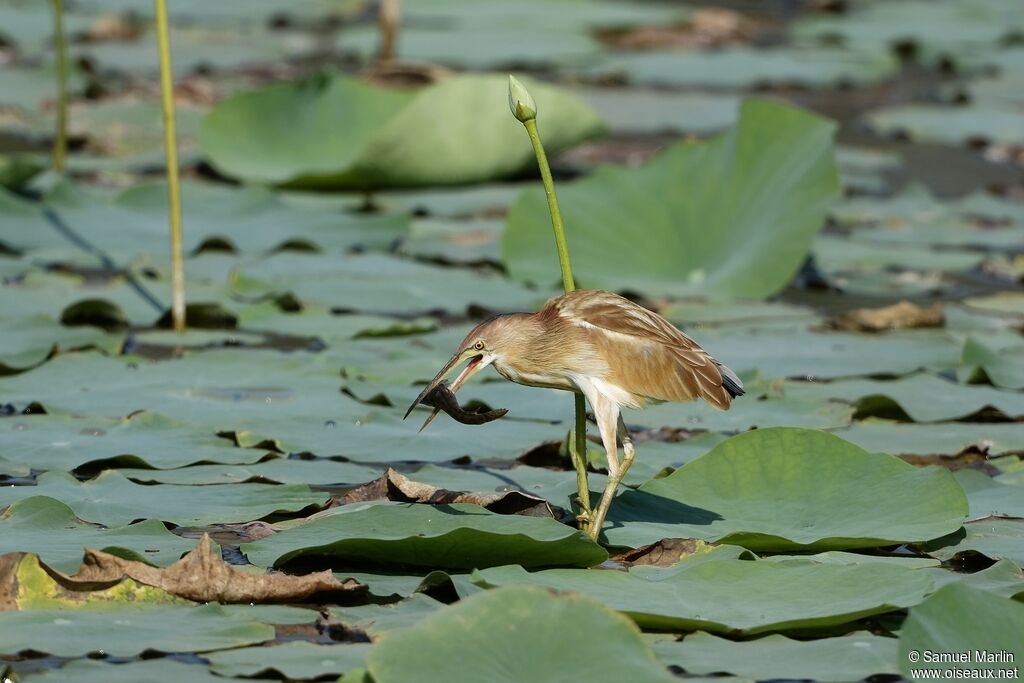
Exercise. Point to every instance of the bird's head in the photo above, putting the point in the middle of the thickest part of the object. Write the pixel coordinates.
(486, 343)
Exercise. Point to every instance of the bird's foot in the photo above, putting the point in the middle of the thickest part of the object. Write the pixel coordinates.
(583, 518)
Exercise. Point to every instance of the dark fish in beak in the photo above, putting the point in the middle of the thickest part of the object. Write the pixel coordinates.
(441, 397)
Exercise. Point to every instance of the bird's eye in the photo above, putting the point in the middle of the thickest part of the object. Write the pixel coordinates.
(479, 346)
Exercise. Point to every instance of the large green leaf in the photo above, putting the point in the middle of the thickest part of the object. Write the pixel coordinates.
(733, 216)
(437, 536)
(123, 633)
(736, 596)
(337, 132)
(289, 130)
(518, 634)
(111, 499)
(958, 620)
(50, 529)
(784, 488)
(847, 658)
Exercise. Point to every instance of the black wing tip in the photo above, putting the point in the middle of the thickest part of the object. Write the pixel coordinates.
(731, 383)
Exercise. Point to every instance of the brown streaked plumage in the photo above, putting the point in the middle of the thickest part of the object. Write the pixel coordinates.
(613, 351)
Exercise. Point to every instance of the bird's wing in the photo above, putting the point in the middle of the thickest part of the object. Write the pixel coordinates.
(656, 360)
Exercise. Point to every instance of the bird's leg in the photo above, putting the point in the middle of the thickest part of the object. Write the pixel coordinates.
(607, 413)
(577, 446)
(628, 449)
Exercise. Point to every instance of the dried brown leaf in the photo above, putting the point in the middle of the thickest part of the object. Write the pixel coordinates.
(204, 577)
(397, 487)
(901, 316)
(707, 27)
(664, 553)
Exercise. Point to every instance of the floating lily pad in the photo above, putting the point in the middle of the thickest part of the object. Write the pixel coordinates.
(517, 634)
(745, 67)
(924, 398)
(734, 181)
(296, 659)
(219, 389)
(990, 498)
(1003, 578)
(950, 438)
(958, 618)
(831, 355)
(382, 436)
(163, 670)
(381, 284)
(50, 529)
(437, 536)
(28, 342)
(112, 500)
(628, 110)
(197, 48)
(945, 31)
(846, 658)
(379, 620)
(736, 596)
(784, 488)
(771, 411)
(277, 470)
(951, 125)
(149, 440)
(386, 138)
(993, 537)
(333, 329)
(243, 220)
(1003, 367)
(124, 633)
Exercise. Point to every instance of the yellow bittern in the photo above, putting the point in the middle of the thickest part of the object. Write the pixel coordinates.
(613, 351)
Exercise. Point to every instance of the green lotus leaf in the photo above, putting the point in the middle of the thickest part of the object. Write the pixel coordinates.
(733, 216)
(784, 488)
(959, 619)
(736, 597)
(518, 634)
(457, 536)
(340, 133)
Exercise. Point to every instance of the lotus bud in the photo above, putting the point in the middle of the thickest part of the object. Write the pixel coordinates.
(520, 101)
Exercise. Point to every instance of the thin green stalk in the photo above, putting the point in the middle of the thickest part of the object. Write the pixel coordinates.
(556, 215)
(173, 186)
(525, 109)
(60, 141)
(579, 451)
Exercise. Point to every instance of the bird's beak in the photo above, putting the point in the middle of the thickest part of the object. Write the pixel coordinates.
(477, 363)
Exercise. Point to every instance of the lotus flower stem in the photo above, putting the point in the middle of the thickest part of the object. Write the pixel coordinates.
(525, 110)
(173, 186)
(60, 142)
(390, 11)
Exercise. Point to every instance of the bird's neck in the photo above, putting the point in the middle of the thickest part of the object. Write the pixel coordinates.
(533, 357)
